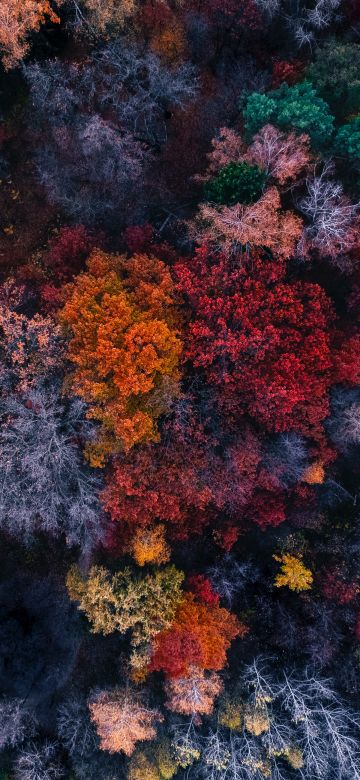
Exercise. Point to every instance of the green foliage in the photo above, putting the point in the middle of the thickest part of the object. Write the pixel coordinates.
(347, 141)
(236, 183)
(296, 108)
(259, 110)
(336, 76)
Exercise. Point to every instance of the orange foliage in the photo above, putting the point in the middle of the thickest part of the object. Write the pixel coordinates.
(199, 636)
(194, 694)
(18, 18)
(122, 720)
(124, 346)
(169, 44)
(261, 224)
(315, 474)
(149, 546)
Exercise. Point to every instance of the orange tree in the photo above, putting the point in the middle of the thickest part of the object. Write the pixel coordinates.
(18, 19)
(125, 347)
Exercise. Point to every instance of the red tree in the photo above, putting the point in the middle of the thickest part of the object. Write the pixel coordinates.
(199, 636)
(269, 344)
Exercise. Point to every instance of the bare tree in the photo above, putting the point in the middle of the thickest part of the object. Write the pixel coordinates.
(344, 424)
(286, 458)
(44, 483)
(101, 121)
(288, 722)
(17, 722)
(333, 219)
(306, 20)
(231, 577)
(38, 763)
(75, 728)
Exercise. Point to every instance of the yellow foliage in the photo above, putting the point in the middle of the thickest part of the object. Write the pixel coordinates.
(256, 720)
(142, 769)
(262, 766)
(231, 715)
(294, 574)
(294, 757)
(106, 17)
(315, 474)
(149, 546)
(120, 602)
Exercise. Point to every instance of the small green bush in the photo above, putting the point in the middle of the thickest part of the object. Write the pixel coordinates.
(236, 183)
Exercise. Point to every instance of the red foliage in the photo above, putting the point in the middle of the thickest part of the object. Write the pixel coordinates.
(265, 342)
(153, 17)
(227, 536)
(149, 486)
(347, 359)
(335, 588)
(199, 636)
(183, 483)
(202, 590)
(283, 70)
(68, 251)
(138, 238)
(268, 509)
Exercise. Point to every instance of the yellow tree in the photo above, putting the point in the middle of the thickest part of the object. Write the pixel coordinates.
(121, 602)
(294, 574)
(102, 17)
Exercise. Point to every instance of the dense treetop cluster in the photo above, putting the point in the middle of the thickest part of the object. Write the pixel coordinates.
(179, 389)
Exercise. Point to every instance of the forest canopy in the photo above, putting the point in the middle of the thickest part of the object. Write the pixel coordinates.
(180, 390)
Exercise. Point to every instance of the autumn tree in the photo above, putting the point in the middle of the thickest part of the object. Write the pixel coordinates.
(193, 694)
(294, 573)
(122, 720)
(266, 341)
(154, 762)
(283, 157)
(32, 348)
(125, 347)
(20, 18)
(145, 604)
(149, 546)
(183, 483)
(199, 636)
(102, 19)
(261, 224)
